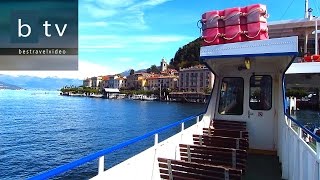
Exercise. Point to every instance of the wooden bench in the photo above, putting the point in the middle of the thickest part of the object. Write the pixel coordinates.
(219, 141)
(227, 157)
(226, 132)
(182, 170)
(243, 123)
(224, 124)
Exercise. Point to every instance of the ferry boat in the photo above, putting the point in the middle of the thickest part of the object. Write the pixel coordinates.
(244, 133)
(250, 101)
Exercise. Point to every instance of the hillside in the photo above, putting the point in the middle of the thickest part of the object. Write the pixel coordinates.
(4, 85)
(188, 55)
(30, 82)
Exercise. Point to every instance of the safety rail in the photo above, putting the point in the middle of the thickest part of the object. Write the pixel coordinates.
(300, 151)
(100, 154)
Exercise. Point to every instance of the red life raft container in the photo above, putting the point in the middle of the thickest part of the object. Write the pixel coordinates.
(257, 31)
(256, 13)
(234, 34)
(212, 19)
(235, 25)
(212, 36)
(313, 58)
(232, 16)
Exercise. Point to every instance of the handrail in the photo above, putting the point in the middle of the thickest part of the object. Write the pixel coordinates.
(317, 138)
(66, 167)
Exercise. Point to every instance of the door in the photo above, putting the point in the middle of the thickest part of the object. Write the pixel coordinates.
(261, 112)
(250, 98)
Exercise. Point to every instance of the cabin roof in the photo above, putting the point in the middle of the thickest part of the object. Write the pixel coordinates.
(293, 27)
(302, 68)
(268, 47)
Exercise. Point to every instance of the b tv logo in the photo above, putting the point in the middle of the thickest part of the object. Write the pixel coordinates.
(28, 27)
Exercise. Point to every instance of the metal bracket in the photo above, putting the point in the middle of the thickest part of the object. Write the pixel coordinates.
(189, 153)
(169, 169)
(237, 143)
(234, 158)
(226, 174)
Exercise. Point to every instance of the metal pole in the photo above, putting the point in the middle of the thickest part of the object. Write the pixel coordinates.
(316, 36)
(306, 7)
(156, 139)
(101, 165)
(306, 43)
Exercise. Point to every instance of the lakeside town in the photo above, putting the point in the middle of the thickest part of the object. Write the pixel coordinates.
(192, 84)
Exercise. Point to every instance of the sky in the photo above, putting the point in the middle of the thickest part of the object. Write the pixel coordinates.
(117, 35)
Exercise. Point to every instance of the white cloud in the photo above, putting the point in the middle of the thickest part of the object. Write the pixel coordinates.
(153, 39)
(130, 13)
(94, 24)
(95, 43)
(124, 59)
(113, 46)
(86, 69)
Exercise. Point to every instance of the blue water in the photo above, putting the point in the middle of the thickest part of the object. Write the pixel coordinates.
(309, 118)
(42, 130)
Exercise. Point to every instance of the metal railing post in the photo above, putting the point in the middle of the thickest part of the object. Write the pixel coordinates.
(182, 126)
(101, 165)
(318, 155)
(318, 150)
(156, 139)
(300, 132)
(289, 123)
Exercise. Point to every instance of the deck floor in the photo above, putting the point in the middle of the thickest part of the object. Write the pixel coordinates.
(263, 167)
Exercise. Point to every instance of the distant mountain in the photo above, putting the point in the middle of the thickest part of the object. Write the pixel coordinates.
(31, 82)
(127, 72)
(4, 85)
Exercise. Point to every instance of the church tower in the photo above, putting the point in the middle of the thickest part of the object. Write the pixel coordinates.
(164, 65)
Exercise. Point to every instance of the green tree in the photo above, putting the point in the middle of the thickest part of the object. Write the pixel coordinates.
(188, 55)
(153, 69)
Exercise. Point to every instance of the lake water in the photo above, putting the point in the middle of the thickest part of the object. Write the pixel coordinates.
(42, 130)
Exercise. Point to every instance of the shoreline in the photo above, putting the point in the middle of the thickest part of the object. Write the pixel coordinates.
(101, 96)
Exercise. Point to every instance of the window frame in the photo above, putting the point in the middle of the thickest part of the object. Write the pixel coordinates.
(218, 109)
(271, 86)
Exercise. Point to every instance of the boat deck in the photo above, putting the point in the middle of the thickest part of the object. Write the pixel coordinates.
(221, 152)
(265, 167)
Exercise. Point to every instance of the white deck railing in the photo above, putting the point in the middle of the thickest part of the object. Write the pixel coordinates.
(144, 166)
(299, 151)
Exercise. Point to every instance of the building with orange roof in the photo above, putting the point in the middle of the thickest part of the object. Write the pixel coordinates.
(163, 82)
(195, 79)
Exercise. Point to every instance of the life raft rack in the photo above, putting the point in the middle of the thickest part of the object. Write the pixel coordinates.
(313, 58)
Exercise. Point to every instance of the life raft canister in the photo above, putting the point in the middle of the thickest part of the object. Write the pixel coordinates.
(313, 58)
(257, 22)
(212, 28)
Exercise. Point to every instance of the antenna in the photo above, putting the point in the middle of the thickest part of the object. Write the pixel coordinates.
(306, 8)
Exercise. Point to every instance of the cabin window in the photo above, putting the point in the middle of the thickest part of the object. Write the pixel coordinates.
(260, 92)
(231, 96)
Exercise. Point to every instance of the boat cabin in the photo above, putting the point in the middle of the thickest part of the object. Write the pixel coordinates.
(249, 86)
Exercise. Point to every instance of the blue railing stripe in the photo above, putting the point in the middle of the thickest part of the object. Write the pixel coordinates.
(317, 138)
(91, 157)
